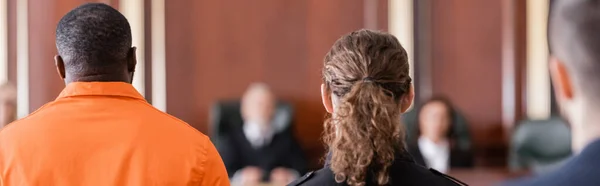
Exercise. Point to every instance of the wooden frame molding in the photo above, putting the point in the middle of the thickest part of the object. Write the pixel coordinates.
(22, 58)
(134, 11)
(401, 23)
(513, 61)
(538, 79)
(3, 41)
(423, 79)
(370, 14)
(159, 74)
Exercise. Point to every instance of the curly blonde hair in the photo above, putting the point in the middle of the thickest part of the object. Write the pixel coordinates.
(367, 73)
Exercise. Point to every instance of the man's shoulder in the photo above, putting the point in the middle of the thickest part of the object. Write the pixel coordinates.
(547, 180)
(163, 116)
(22, 124)
(171, 122)
(153, 119)
(577, 172)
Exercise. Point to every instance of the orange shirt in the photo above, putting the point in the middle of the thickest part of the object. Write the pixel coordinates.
(105, 133)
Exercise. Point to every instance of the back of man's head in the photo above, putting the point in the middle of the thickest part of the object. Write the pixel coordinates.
(574, 31)
(94, 39)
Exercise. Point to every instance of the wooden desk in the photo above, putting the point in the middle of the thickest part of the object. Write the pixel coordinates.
(484, 176)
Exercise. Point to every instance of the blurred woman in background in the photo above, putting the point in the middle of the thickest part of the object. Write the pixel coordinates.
(435, 145)
(366, 86)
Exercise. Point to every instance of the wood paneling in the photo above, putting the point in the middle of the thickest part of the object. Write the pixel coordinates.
(514, 61)
(467, 63)
(468, 43)
(215, 49)
(12, 41)
(148, 50)
(382, 15)
(423, 79)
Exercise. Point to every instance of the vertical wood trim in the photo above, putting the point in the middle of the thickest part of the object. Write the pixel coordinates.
(148, 50)
(22, 58)
(538, 79)
(134, 11)
(423, 46)
(508, 63)
(521, 38)
(3, 41)
(401, 25)
(12, 40)
(370, 14)
(513, 61)
(159, 73)
(383, 15)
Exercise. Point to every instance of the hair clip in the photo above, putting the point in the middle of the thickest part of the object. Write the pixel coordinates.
(368, 79)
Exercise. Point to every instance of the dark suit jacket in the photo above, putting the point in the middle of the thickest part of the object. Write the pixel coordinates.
(458, 158)
(283, 151)
(580, 170)
(403, 172)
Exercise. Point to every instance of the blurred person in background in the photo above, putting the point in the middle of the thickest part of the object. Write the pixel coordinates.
(435, 145)
(366, 87)
(100, 130)
(574, 39)
(259, 151)
(8, 104)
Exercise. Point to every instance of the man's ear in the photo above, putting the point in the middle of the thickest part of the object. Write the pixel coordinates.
(131, 59)
(561, 79)
(326, 98)
(406, 101)
(60, 66)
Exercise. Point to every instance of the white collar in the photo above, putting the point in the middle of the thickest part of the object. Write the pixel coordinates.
(436, 155)
(258, 136)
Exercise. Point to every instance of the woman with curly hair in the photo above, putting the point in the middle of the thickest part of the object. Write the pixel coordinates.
(366, 86)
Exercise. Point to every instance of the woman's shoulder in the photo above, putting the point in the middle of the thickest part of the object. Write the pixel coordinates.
(402, 173)
(323, 177)
(410, 173)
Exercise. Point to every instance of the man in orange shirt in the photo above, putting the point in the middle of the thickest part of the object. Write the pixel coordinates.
(100, 130)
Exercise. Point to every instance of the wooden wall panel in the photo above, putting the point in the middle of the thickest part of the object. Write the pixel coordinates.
(467, 65)
(148, 50)
(467, 62)
(382, 15)
(215, 49)
(44, 82)
(466, 43)
(12, 41)
(514, 62)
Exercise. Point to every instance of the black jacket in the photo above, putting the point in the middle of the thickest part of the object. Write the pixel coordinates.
(580, 170)
(403, 172)
(458, 158)
(282, 151)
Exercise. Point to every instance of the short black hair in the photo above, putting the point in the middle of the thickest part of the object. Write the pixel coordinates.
(93, 38)
(574, 36)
